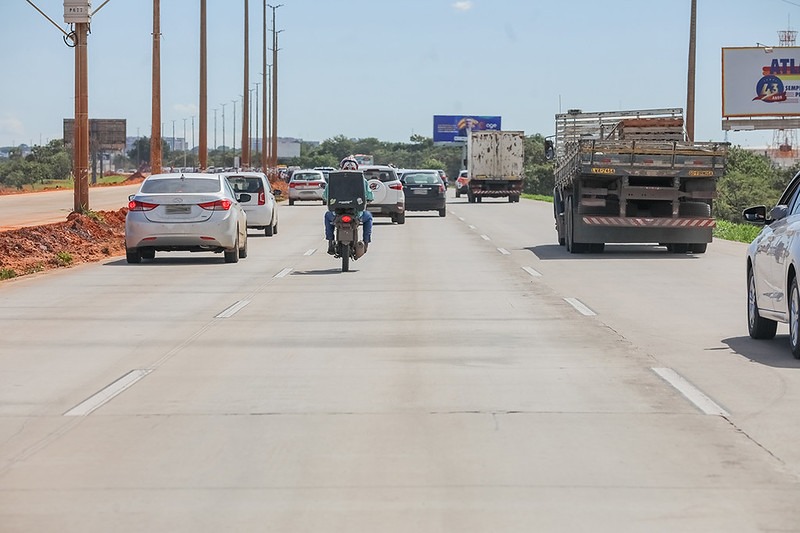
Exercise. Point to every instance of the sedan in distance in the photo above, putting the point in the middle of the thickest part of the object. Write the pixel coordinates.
(424, 191)
(773, 261)
(307, 185)
(261, 208)
(185, 212)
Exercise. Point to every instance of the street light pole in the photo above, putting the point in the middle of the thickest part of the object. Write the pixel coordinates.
(245, 102)
(155, 136)
(233, 102)
(223, 134)
(265, 158)
(274, 134)
(184, 144)
(202, 151)
(690, 85)
(255, 128)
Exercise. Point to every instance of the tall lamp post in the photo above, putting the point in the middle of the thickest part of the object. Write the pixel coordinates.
(255, 128)
(274, 133)
(690, 78)
(155, 136)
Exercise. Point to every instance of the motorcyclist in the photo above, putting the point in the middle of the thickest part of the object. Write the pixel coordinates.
(349, 163)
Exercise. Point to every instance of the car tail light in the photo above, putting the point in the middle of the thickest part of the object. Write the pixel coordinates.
(136, 205)
(218, 204)
(347, 219)
(262, 198)
(441, 188)
(292, 184)
(396, 186)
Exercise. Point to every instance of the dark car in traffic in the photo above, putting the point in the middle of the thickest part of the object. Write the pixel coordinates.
(424, 191)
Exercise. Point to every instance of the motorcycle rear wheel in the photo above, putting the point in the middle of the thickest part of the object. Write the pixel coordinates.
(344, 250)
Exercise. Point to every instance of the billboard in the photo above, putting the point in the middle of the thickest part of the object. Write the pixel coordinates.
(761, 82)
(104, 133)
(453, 128)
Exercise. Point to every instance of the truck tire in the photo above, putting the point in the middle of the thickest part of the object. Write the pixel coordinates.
(757, 327)
(572, 246)
(694, 209)
(698, 248)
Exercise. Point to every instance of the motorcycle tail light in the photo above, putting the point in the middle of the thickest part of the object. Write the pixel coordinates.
(347, 219)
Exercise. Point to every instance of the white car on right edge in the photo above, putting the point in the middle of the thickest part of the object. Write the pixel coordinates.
(773, 263)
(387, 191)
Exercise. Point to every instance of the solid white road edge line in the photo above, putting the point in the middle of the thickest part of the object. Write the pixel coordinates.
(692, 393)
(232, 310)
(283, 272)
(310, 252)
(99, 398)
(532, 272)
(503, 251)
(577, 304)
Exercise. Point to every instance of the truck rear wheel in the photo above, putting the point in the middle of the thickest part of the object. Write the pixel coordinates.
(572, 246)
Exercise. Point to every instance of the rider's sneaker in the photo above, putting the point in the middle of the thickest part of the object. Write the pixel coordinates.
(331, 248)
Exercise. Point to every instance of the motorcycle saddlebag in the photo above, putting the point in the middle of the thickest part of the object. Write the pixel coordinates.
(346, 190)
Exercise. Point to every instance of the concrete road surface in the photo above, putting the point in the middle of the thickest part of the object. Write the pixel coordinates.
(467, 375)
(32, 209)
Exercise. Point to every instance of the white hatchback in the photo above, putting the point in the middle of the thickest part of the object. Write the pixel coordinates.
(261, 207)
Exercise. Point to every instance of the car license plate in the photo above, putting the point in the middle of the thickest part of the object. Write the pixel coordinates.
(420, 191)
(373, 209)
(178, 209)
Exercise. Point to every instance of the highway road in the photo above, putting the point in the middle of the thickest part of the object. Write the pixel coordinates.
(33, 209)
(467, 375)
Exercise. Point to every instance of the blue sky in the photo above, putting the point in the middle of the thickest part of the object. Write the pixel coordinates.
(375, 68)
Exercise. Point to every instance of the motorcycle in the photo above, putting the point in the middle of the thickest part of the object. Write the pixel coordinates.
(345, 198)
(347, 245)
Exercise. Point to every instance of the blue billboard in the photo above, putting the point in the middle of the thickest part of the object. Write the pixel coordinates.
(453, 128)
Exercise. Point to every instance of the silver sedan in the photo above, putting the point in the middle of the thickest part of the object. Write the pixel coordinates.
(185, 212)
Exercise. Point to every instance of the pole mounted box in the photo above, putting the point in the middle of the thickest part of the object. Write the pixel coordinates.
(77, 11)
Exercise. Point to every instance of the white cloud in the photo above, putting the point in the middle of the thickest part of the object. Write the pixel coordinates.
(464, 5)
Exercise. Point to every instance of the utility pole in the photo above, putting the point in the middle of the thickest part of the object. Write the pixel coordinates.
(203, 148)
(155, 136)
(184, 144)
(233, 102)
(215, 129)
(172, 144)
(193, 145)
(691, 75)
(245, 102)
(223, 134)
(255, 128)
(265, 159)
(274, 134)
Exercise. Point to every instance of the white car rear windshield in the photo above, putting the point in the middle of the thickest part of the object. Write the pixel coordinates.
(246, 184)
(382, 175)
(180, 185)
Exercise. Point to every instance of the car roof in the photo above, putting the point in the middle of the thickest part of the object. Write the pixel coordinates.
(249, 174)
(201, 175)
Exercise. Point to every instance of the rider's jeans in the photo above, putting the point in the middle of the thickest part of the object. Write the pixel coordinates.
(366, 222)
